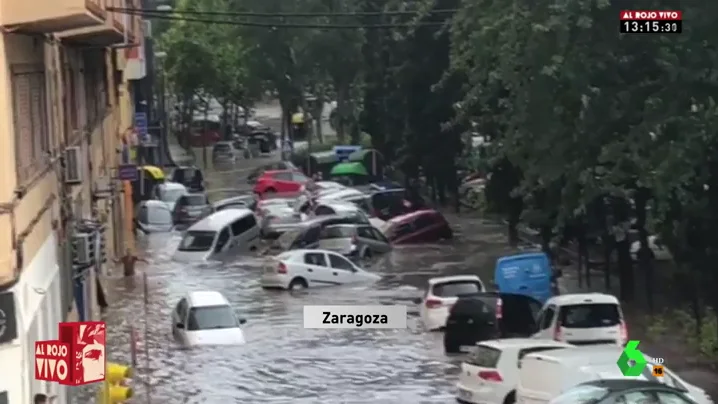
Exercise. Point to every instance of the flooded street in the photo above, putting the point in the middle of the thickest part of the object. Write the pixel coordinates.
(282, 362)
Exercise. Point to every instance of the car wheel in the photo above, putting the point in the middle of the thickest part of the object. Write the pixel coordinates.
(297, 284)
(510, 398)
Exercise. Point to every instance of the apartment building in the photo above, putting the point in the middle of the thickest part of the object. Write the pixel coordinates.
(64, 109)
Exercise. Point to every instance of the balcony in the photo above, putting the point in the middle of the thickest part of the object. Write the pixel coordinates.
(114, 31)
(48, 16)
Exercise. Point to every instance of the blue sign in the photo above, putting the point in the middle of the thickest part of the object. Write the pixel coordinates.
(141, 126)
(127, 172)
(344, 151)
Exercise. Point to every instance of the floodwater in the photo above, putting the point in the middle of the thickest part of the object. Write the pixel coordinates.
(282, 362)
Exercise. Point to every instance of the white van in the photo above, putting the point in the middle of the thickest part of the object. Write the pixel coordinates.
(219, 233)
(543, 376)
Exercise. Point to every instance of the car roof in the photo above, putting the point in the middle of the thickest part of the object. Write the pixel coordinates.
(578, 298)
(217, 220)
(587, 355)
(410, 216)
(628, 384)
(508, 343)
(293, 253)
(343, 206)
(172, 185)
(343, 193)
(206, 298)
(453, 278)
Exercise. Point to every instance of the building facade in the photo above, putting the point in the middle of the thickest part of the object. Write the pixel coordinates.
(65, 106)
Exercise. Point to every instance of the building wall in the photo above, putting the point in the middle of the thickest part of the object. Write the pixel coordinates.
(36, 224)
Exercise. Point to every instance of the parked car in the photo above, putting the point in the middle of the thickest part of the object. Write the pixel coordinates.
(277, 166)
(583, 319)
(306, 234)
(274, 181)
(224, 151)
(248, 201)
(189, 176)
(441, 293)
(190, 208)
(491, 371)
(483, 316)
(153, 217)
(328, 208)
(624, 390)
(206, 318)
(169, 193)
(546, 375)
(418, 227)
(218, 234)
(358, 242)
(300, 269)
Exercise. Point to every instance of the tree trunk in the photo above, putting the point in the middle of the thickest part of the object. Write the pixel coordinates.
(645, 255)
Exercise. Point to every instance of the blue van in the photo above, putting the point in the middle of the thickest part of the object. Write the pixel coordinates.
(527, 274)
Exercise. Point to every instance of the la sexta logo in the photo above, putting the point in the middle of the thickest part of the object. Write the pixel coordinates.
(76, 358)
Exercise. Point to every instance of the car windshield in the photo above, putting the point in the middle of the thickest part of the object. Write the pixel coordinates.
(197, 241)
(196, 200)
(589, 315)
(456, 288)
(337, 232)
(581, 395)
(171, 195)
(211, 318)
(222, 147)
(159, 215)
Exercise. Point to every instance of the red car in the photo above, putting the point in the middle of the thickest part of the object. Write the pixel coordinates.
(418, 227)
(283, 181)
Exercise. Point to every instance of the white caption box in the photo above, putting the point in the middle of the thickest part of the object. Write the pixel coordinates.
(355, 317)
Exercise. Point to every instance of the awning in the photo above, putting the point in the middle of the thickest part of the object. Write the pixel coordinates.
(349, 169)
(155, 172)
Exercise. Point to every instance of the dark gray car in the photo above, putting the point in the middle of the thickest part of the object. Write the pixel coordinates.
(354, 241)
(190, 208)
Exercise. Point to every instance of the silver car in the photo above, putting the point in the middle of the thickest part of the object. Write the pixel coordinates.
(354, 241)
(224, 151)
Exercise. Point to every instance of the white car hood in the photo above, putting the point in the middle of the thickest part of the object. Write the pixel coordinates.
(190, 256)
(224, 336)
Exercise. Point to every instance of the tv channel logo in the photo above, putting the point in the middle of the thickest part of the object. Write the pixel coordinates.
(76, 358)
(633, 362)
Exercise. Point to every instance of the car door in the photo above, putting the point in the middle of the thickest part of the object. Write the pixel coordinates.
(179, 320)
(342, 270)
(545, 321)
(245, 233)
(316, 269)
(224, 242)
(423, 226)
(519, 315)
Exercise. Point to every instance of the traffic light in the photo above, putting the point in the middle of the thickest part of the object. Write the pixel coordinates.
(115, 390)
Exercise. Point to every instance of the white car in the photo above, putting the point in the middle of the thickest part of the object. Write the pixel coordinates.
(206, 318)
(491, 372)
(659, 250)
(298, 269)
(546, 375)
(441, 294)
(582, 319)
(170, 192)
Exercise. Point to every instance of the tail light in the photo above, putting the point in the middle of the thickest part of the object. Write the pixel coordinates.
(282, 269)
(499, 309)
(624, 332)
(433, 303)
(490, 375)
(557, 331)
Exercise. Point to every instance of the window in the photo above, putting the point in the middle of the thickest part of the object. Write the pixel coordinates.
(323, 210)
(379, 235)
(337, 232)
(243, 225)
(211, 318)
(158, 215)
(95, 86)
(484, 356)
(195, 200)
(142, 217)
(299, 177)
(170, 195)
(669, 397)
(222, 147)
(363, 204)
(589, 315)
(315, 259)
(339, 262)
(453, 289)
(30, 117)
(222, 240)
(197, 241)
(637, 397)
(547, 317)
(581, 395)
(531, 350)
(366, 232)
(283, 176)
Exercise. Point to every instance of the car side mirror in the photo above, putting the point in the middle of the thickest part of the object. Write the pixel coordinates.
(416, 300)
(180, 326)
(242, 321)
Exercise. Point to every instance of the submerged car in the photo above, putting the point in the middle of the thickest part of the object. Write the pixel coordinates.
(219, 234)
(224, 151)
(169, 193)
(422, 226)
(286, 181)
(153, 217)
(306, 234)
(358, 242)
(280, 165)
(189, 176)
(300, 269)
(206, 318)
(190, 208)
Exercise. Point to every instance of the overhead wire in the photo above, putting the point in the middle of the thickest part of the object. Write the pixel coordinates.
(152, 15)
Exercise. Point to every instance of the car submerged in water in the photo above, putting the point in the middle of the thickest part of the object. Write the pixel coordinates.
(421, 226)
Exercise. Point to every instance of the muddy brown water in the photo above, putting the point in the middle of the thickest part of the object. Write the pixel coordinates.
(284, 363)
